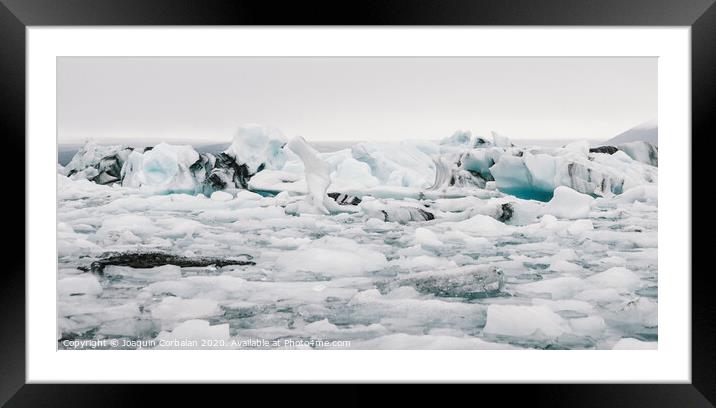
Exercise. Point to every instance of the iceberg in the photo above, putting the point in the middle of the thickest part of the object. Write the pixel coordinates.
(448, 175)
(318, 176)
(641, 151)
(470, 282)
(167, 168)
(164, 168)
(404, 164)
(521, 321)
(567, 203)
(101, 164)
(537, 175)
(257, 147)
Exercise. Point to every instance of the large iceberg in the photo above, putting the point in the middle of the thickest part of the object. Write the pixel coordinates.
(164, 168)
(257, 147)
(101, 164)
(403, 164)
(537, 173)
(167, 168)
(317, 173)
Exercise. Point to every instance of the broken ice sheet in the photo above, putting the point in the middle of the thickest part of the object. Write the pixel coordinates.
(368, 244)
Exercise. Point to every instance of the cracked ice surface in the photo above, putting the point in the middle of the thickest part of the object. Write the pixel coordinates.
(577, 272)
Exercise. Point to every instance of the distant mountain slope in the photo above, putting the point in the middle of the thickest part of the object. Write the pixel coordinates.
(647, 131)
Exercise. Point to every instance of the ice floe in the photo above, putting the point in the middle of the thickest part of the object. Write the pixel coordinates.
(465, 243)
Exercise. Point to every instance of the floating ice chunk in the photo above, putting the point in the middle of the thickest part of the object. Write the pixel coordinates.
(283, 198)
(565, 254)
(559, 288)
(616, 277)
(425, 237)
(197, 330)
(333, 256)
(604, 295)
(377, 224)
(411, 312)
(278, 181)
(260, 213)
(457, 204)
(174, 308)
(221, 196)
(568, 203)
(628, 343)
(79, 285)
(288, 242)
(126, 228)
(423, 262)
(481, 225)
(207, 287)
(612, 261)
(179, 228)
(258, 146)
(245, 195)
(521, 321)
(471, 243)
(646, 193)
(70, 242)
(641, 311)
(158, 273)
(391, 211)
(579, 227)
(565, 266)
(588, 326)
(579, 306)
(468, 281)
(324, 327)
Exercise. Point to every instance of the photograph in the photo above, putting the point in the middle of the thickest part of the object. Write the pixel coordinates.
(356, 203)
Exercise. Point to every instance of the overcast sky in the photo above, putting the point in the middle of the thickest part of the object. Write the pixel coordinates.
(206, 99)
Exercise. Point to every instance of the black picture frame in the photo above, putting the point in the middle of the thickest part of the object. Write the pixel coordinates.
(16, 15)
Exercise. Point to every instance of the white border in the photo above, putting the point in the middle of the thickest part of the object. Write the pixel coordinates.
(670, 363)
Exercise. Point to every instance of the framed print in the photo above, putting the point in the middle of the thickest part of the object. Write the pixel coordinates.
(399, 194)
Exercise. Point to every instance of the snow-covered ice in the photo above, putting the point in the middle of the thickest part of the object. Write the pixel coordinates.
(466, 243)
